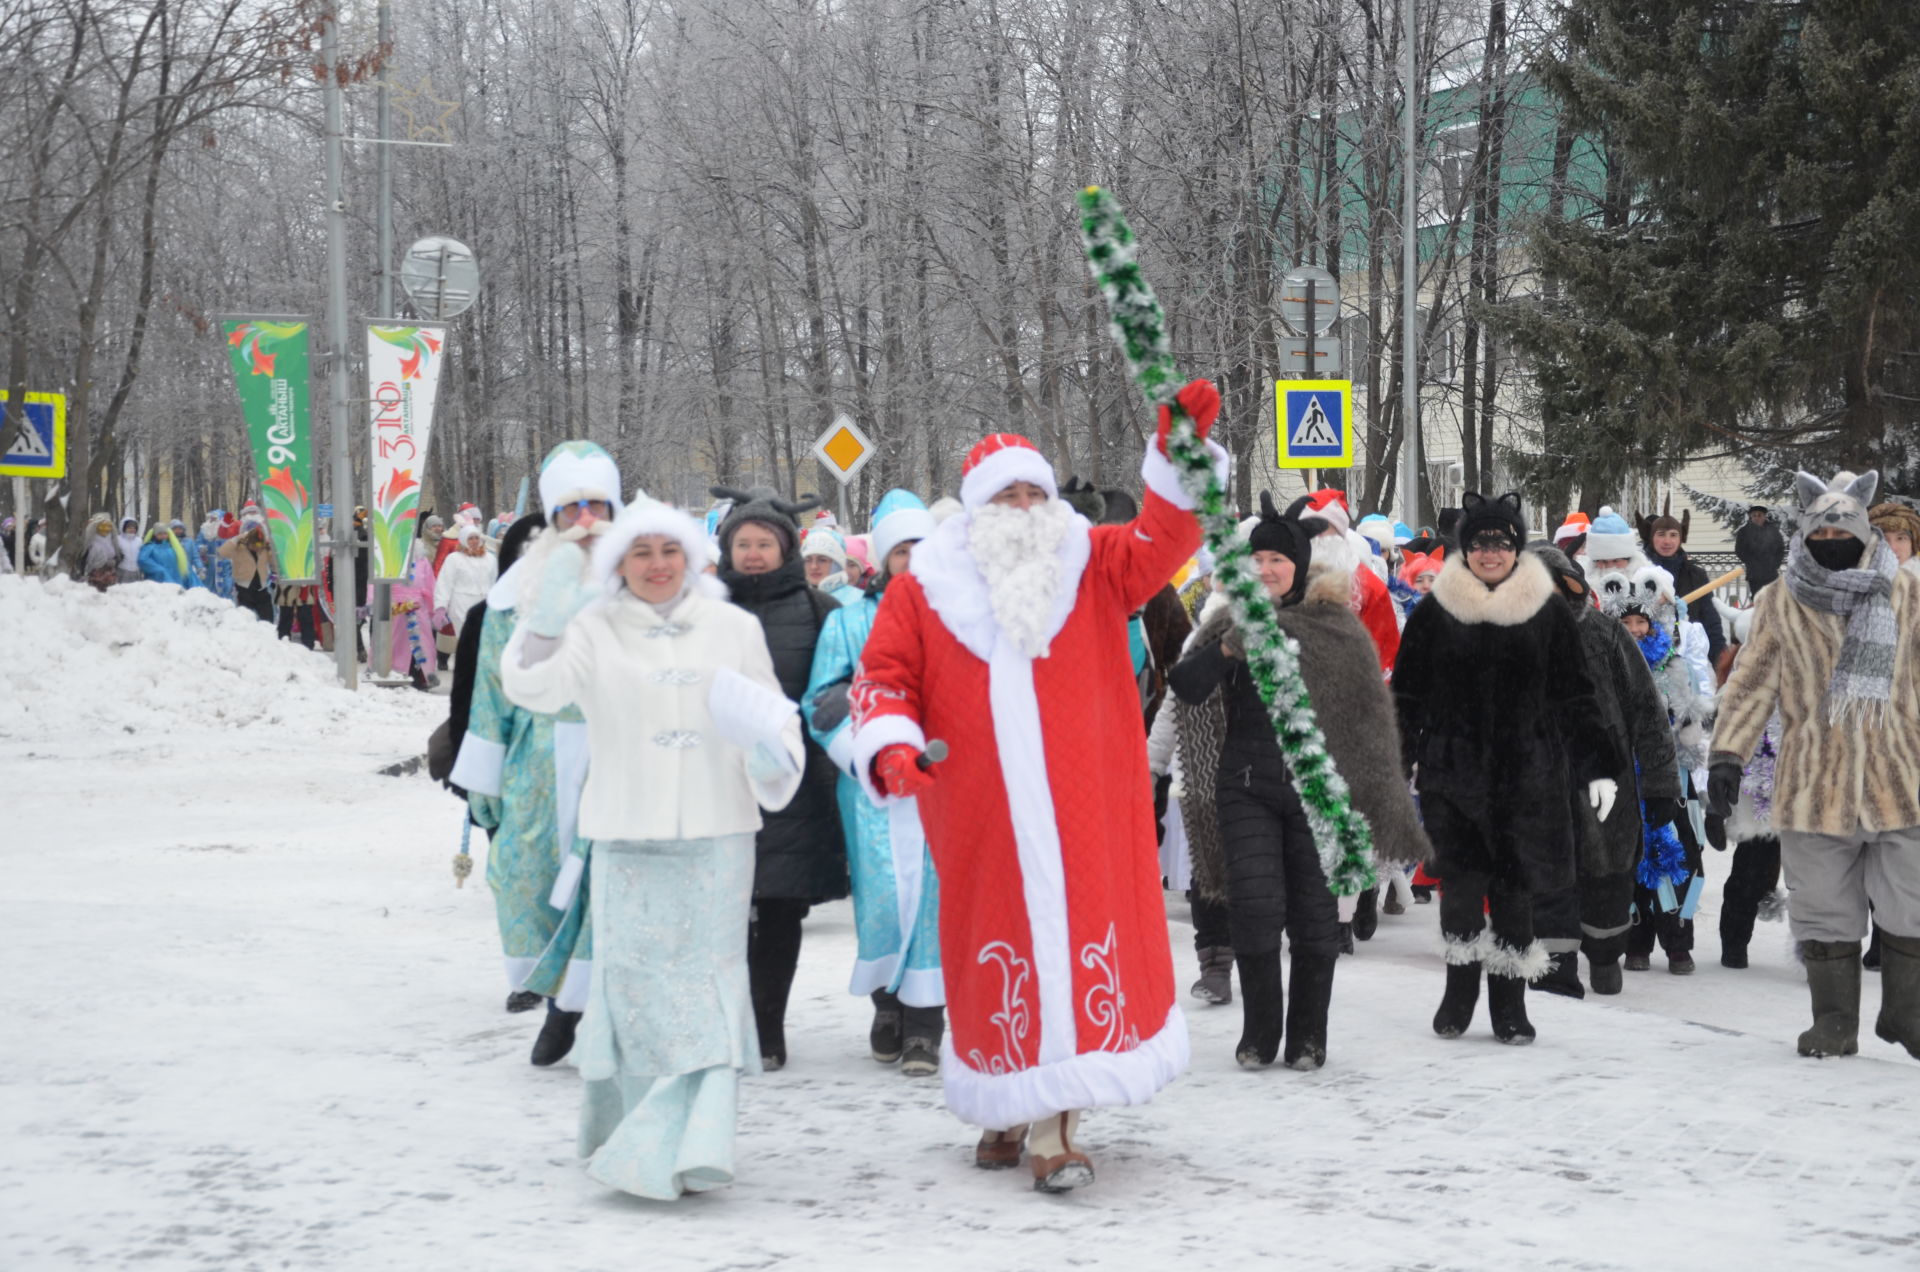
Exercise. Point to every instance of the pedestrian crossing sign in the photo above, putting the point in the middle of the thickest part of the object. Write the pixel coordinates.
(40, 448)
(1314, 423)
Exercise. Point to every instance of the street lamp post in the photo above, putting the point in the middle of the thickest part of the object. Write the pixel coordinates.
(1410, 457)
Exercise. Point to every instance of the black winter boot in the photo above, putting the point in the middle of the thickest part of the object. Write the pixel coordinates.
(886, 1039)
(1462, 996)
(773, 952)
(1263, 1004)
(1366, 915)
(1737, 915)
(1309, 991)
(1900, 992)
(523, 1000)
(1563, 978)
(1606, 977)
(920, 1053)
(556, 1036)
(1507, 1005)
(1215, 985)
(1833, 982)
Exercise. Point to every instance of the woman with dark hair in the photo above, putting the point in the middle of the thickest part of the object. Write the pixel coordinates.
(1274, 875)
(800, 858)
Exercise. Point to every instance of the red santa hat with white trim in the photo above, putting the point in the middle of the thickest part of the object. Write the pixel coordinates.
(996, 462)
(1331, 507)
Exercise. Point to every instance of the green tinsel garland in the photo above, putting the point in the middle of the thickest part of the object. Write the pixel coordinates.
(1340, 832)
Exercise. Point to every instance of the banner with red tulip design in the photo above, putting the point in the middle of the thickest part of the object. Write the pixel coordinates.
(270, 367)
(403, 370)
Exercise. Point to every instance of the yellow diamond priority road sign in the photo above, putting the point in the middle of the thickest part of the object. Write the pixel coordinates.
(843, 448)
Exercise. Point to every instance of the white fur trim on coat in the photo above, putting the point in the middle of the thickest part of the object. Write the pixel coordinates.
(1461, 953)
(876, 736)
(1461, 593)
(1001, 469)
(1163, 479)
(1530, 964)
(1092, 1079)
(480, 766)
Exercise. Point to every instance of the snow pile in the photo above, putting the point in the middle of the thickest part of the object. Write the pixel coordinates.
(148, 658)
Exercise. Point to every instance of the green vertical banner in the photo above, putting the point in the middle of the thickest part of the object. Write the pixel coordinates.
(270, 368)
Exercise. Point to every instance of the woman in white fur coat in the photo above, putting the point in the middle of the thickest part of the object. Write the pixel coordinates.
(691, 738)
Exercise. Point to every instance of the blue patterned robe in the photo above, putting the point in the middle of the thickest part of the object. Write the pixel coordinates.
(896, 895)
(536, 766)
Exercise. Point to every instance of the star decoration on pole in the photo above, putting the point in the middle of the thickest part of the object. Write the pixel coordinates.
(428, 118)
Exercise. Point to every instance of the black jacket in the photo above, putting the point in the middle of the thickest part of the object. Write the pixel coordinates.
(1635, 718)
(1498, 711)
(1686, 578)
(1342, 674)
(1762, 550)
(800, 853)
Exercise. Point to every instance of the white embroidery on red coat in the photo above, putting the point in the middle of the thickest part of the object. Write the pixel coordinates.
(1013, 1019)
(867, 696)
(1106, 1003)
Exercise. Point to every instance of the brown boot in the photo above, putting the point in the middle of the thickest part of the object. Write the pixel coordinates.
(1057, 1165)
(999, 1150)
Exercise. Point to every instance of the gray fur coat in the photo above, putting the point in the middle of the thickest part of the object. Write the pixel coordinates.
(1356, 715)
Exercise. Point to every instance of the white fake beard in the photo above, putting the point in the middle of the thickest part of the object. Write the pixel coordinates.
(1018, 552)
(1335, 553)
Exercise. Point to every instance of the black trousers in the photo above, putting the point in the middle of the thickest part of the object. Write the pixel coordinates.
(302, 614)
(1274, 879)
(1211, 922)
(256, 600)
(1593, 916)
(1650, 923)
(1469, 901)
(773, 952)
(1754, 876)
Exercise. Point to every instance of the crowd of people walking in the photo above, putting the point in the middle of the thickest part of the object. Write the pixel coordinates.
(1005, 723)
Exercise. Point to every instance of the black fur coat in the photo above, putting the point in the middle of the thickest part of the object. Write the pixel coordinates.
(1499, 714)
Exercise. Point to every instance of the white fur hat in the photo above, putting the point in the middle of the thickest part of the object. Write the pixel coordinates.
(646, 516)
(578, 470)
(824, 541)
(996, 462)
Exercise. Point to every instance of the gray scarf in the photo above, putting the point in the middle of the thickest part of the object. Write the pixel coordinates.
(1863, 596)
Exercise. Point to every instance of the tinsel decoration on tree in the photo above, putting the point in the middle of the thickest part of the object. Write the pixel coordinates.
(1340, 831)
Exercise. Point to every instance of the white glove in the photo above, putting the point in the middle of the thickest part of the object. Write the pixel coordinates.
(563, 591)
(747, 714)
(1601, 792)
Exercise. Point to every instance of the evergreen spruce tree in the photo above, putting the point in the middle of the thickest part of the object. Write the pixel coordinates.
(1746, 278)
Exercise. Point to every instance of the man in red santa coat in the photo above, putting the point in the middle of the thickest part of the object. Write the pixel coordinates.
(1007, 639)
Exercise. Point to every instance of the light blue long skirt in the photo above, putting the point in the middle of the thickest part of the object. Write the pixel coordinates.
(669, 1024)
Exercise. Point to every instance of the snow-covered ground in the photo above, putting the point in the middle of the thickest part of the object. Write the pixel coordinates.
(254, 1025)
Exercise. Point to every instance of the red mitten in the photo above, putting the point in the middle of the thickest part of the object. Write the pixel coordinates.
(898, 772)
(1201, 401)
